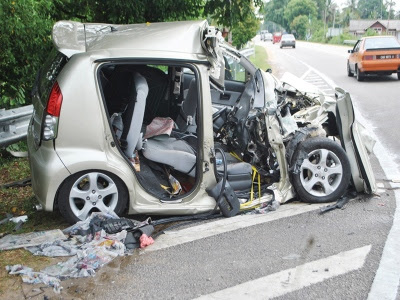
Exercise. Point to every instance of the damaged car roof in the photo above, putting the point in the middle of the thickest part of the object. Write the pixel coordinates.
(71, 37)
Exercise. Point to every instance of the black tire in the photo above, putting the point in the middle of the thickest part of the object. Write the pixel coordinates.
(95, 190)
(398, 75)
(320, 181)
(294, 47)
(349, 72)
(359, 74)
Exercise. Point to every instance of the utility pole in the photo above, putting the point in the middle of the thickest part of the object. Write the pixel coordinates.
(390, 9)
(326, 8)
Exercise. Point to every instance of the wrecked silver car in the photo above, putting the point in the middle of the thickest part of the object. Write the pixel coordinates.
(168, 119)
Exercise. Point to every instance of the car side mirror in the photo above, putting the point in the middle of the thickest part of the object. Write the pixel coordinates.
(350, 51)
(269, 70)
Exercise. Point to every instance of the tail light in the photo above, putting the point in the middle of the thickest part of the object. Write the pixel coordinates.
(369, 57)
(52, 113)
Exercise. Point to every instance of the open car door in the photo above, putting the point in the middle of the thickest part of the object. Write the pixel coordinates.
(357, 143)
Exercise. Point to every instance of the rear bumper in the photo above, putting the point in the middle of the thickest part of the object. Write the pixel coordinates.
(47, 171)
(380, 66)
(288, 44)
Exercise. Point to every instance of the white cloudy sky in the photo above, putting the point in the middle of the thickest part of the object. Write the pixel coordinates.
(342, 3)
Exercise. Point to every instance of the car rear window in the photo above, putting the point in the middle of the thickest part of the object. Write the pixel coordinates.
(382, 43)
(48, 74)
(288, 37)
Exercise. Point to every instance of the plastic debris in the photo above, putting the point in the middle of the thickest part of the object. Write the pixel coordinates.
(19, 219)
(30, 239)
(55, 248)
(92, 244)
(145, 241)
(29, 276)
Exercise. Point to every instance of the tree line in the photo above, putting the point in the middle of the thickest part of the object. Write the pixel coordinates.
(313, 17)
(25, 29)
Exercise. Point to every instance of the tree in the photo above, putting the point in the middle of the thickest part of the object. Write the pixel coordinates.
(244, 31)
(274, 11)
(25, 28)
(231, 12)
(297, 8)
(127, 12)
(370, 9)
(300, 25)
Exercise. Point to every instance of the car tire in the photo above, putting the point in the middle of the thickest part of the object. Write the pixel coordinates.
(349, 73)
(398, 75)
(359, 74)
(324, 175)
(281, 47)
(92, 190)
(294, 47)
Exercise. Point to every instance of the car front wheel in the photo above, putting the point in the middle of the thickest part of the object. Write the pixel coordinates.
(90, 191)
(324, 171)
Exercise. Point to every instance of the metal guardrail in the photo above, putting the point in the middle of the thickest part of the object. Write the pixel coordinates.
(350, 42)
(247, 52)
(14, 124)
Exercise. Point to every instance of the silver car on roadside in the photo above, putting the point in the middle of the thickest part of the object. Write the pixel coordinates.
(288, 40)
(167, 118)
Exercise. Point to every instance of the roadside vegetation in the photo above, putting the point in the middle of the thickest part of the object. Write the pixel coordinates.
(311, 20)
(25, 29)
(260, 58)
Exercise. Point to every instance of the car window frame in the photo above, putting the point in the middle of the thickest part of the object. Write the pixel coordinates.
(357, 46)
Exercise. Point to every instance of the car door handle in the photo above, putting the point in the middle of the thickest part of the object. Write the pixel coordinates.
(225, 96)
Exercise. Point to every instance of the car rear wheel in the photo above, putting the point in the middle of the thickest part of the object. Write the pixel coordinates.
(324, 172)
(349, 73)
(90, 191)
(398, 75)
(359, 74)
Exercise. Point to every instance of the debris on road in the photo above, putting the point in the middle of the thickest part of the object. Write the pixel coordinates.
(29, 276)
(91, 244)
(30, 239)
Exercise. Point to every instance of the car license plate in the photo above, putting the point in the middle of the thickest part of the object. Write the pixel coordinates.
(390, 56)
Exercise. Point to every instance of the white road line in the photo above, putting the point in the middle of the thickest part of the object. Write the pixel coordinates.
(305, 74)
(386, 281)
(294, 279)
(174, 238)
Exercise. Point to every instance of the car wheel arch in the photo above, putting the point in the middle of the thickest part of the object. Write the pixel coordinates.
(303, 150)
(123, 196)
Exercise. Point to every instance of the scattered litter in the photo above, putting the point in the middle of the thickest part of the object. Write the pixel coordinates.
(265, 207)
(145, 241)
(18, 226)
(30, 239)
(340, 203)
(28, 276)
(6, 219)
(22, 219)
(55, 249)
(91, 244)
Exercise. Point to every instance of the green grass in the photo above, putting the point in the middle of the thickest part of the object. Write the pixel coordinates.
(260, 59)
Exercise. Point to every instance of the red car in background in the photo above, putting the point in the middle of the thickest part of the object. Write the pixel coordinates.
(277, 37)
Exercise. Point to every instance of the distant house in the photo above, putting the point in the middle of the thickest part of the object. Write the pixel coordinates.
(385, 27)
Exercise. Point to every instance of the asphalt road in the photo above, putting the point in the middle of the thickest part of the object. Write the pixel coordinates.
(292, 253)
